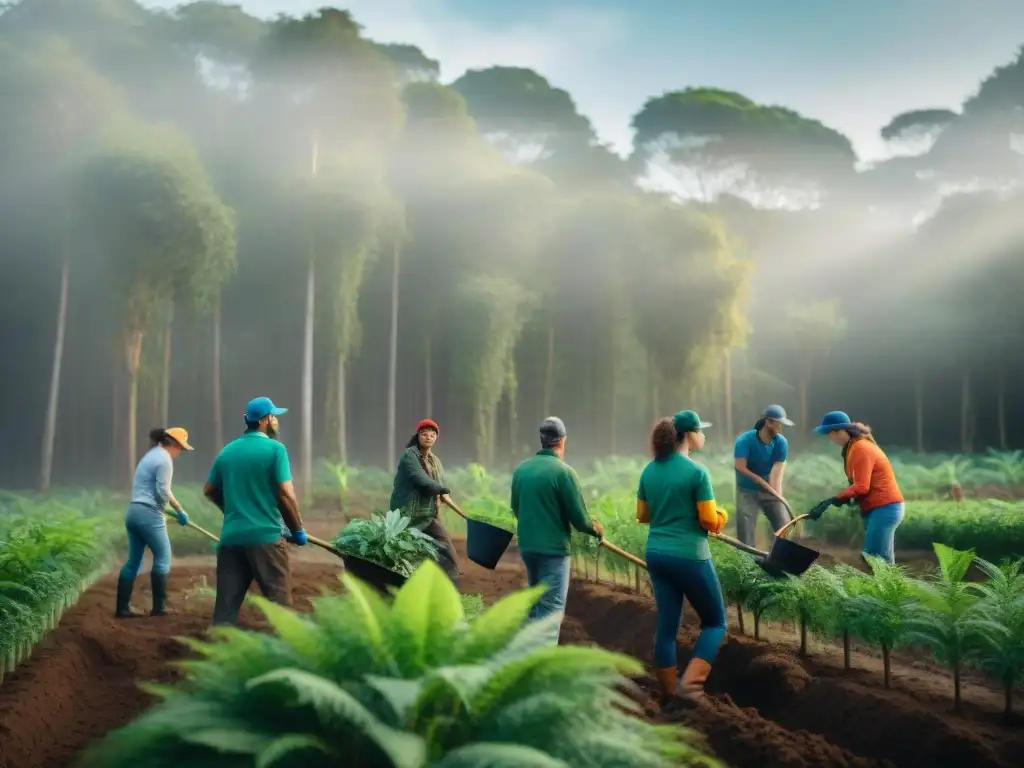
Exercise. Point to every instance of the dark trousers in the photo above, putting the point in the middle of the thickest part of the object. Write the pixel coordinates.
(238, 567)
(445, 548)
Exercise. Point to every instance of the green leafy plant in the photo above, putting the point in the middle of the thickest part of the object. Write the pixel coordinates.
(1000, 626)
(387, 540)
(361, 682)
(944, 621)
(883, 609)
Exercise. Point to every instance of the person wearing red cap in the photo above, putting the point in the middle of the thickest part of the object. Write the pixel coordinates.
(419, 487)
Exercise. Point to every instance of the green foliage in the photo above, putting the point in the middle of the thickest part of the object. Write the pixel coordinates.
(406, 685)
(387, 540)
(46, 562)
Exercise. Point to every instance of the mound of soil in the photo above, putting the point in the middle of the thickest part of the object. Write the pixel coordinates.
(769, 708)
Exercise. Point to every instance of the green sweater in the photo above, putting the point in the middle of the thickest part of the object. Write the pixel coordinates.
(547, 500)
(415, 491)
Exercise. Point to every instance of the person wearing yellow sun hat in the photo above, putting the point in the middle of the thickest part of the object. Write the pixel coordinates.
(144, 520)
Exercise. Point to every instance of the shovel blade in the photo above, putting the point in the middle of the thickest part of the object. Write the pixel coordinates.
(787, 556)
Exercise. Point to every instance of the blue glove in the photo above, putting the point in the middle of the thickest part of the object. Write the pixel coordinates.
(182, 518)
(299, 537)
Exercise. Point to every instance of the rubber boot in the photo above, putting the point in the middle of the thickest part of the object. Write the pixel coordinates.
(691, 687)
(667, 677)
(158, 581)
(690, 692)
(124, 609)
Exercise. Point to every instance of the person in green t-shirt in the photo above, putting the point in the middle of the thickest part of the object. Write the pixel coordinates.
(251, 482)
(675, 497)
(548, 502)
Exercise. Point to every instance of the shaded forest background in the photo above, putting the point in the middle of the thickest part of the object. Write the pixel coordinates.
(199, 207)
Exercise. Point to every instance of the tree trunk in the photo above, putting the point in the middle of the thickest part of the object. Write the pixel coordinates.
(728, 393)
(965, 412)
(393, 353)
(1001, 408)
(549, 369)
(307, 383)
(428, 377)
(886, 667)
(919, 409)
(342, 422)
(957, 700)
(218, 408)
(133, 355)
(757, 625)
(115, 427)
(50, 421)
(739, 619)
(165, 384)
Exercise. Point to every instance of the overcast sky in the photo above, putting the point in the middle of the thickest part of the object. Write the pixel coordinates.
(851, 64)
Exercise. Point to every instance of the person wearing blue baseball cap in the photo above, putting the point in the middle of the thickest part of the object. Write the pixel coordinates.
(872, 486)
(760, 455)
(251, 482)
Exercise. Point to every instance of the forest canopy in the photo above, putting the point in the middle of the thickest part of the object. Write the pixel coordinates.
(200, 206)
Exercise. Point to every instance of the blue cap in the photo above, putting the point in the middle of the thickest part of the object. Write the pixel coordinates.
(832, 421)
(260, 408)
(778, 413)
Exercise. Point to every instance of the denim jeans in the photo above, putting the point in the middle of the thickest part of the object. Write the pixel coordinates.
(146, 528)
(880, 526)
(675, 579)
(750, 504)
(553, 572)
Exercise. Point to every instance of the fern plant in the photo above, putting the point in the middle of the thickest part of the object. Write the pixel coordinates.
(882, 610)
(945, 621)
(411, 684)
(1000, 626)
(387, 540)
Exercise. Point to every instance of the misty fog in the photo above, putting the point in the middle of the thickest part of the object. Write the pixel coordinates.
(233, 207)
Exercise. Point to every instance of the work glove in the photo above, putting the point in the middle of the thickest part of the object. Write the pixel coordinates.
(819, 509)
(299, 537)
(182, 517)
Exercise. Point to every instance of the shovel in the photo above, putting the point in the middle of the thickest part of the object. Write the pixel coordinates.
(783, 556)
(311, 539)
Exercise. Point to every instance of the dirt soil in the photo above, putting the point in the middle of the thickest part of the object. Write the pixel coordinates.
(767, 708)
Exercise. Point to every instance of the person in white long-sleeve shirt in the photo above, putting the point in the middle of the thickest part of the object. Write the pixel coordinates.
(145, 523)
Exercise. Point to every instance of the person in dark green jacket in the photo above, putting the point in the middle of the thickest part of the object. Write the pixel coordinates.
(419, 486)
(548, 502)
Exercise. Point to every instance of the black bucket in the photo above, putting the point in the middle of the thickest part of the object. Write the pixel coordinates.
(376, 576)
(486, 543)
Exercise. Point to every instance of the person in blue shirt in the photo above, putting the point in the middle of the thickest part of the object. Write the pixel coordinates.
(760, 455)
(144, 520)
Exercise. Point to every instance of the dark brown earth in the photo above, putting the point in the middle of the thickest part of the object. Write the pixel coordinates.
(767, 709)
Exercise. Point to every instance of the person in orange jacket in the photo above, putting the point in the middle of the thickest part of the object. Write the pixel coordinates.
(676, 498)
(872, 484)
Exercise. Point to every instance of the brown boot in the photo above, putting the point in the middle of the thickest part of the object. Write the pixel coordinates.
(667, 681)
(691, 687)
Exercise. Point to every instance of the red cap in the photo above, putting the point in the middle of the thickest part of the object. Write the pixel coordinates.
(428, 424)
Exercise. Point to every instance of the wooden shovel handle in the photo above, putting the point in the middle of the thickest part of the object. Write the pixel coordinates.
(451, 505)
(190, 524)
(324, 545)
(623, 553)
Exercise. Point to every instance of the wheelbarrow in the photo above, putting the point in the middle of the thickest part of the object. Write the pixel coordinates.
(783, 556)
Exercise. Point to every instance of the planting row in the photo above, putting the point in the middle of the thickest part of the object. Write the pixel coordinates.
(978, 623)
(45, 565)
